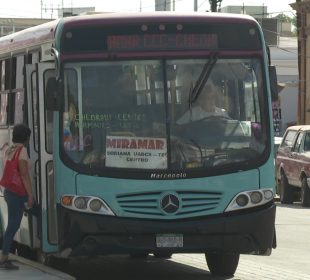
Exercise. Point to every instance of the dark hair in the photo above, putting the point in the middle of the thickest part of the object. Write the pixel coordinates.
(21, 133)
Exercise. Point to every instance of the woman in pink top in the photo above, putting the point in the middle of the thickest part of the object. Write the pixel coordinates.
(15, 202)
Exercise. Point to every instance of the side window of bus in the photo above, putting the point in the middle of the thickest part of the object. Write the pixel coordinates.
(34, 57)
(17, 103)
(4, 90)
(48, 117)
(3, 109)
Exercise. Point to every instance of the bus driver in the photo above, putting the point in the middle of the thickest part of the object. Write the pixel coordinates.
(204, 106)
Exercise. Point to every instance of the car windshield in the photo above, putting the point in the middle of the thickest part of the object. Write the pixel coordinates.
(142, 114)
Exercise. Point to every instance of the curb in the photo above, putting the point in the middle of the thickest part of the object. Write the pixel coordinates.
(41, 267)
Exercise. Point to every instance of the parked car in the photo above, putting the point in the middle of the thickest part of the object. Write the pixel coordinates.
(293, 165)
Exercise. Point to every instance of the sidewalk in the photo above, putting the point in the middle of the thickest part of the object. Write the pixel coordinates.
(30, 270)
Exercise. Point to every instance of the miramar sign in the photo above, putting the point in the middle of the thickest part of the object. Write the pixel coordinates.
(136, 152)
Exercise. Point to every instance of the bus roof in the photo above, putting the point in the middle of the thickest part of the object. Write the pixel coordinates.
(147, 17)
(29, 37)
(44, 33)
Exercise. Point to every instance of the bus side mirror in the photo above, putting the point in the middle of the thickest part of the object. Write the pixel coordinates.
(273, 82)
(53, 98)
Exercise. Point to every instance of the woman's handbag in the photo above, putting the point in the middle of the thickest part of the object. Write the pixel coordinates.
(11, 179)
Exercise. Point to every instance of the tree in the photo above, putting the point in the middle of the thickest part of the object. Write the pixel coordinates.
(285, 18)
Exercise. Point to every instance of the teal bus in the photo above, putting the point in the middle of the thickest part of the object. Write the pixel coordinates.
(125, 160)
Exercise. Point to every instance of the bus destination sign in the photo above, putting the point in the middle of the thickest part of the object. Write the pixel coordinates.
(153, 42)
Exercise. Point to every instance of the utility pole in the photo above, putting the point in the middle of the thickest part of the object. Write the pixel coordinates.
(214, 5)
(195, 5)
(41, 8)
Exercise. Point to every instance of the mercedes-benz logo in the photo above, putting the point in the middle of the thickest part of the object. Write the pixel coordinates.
(170, 203)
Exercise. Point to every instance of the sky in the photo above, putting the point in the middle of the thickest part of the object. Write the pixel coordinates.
(48, 8)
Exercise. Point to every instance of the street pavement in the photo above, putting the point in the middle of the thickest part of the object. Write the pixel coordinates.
(290, 261)
(247, 269)
(29, 270)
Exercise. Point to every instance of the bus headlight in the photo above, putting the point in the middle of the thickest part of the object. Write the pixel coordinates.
(242, 200)
(256, 197)
(95, 205)
(88, 204)
(80, 202)
(248, 199)
(268, 194)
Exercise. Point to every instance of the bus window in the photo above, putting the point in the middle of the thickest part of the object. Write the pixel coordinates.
(49, 118)
(3, 95)
(119, 99)
(34, 101)
(19, 107)
(6, 72)
(129, 99)
(3, 109)
(17, 89)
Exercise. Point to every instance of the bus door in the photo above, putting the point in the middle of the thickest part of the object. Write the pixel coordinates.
(29, 230)
(41, 152)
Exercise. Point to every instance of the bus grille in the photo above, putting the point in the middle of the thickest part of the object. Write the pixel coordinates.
(148, 204)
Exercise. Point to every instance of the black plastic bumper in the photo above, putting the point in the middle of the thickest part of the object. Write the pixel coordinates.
(245, 233)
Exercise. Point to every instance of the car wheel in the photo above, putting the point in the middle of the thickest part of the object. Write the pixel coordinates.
(305, 193)
(286, 191)
(221, 264)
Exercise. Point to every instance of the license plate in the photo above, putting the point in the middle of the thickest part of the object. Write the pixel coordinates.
(169, 240)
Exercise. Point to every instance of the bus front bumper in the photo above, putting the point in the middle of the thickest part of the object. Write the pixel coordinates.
(84, 234)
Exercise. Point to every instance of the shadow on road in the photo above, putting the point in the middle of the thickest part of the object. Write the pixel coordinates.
(124, 267)
(295, 205)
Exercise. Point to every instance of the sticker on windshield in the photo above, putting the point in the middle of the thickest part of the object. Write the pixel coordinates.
(136, 152)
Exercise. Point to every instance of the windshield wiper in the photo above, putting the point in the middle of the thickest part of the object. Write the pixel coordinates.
(203, 78)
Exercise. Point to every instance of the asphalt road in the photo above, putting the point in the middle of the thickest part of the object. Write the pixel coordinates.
(289, 261)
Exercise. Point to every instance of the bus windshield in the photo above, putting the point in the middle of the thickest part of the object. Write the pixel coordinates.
(165, 114)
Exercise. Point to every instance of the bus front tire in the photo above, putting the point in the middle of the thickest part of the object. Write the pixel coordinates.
(162, 255)
(139, 255)
(222, 264)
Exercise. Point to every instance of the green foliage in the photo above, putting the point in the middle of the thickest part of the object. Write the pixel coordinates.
(292, 19)
(284, 18)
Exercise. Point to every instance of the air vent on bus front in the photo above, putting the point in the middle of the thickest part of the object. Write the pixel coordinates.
(152, 204)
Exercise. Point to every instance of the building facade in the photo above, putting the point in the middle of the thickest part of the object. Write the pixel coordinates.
(302, 8)
(284, 55)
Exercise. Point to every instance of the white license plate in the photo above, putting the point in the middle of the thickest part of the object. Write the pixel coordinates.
(169, 240)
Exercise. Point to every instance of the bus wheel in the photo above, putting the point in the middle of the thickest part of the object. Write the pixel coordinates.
(163, 255)
(305, 193)
(286, 191)
(222, 264)
(139, 255)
